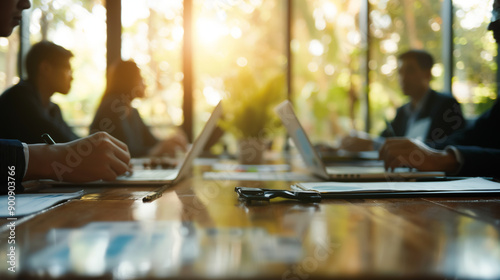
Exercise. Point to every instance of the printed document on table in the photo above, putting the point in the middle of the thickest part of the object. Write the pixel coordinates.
(26, 204)
(470, 184)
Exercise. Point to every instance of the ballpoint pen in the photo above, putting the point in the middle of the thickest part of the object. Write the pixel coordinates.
(46, 137)
(156, 194)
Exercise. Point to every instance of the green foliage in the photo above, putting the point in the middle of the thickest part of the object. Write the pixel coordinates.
(248, 106)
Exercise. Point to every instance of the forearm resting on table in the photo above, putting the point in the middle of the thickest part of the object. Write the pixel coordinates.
(405, 152)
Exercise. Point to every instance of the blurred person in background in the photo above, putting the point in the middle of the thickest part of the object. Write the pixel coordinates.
(116, 115)
(26, 111)
(474, 151)
(428, 116)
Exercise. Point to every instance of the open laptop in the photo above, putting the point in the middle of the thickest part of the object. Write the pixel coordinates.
(164, 176)
(338, 173)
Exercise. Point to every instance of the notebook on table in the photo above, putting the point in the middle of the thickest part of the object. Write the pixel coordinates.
(316, 166)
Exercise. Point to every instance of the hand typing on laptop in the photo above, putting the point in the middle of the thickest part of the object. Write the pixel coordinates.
(406, 152)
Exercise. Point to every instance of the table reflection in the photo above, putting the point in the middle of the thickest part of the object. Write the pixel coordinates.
(161, 249)
(205, 231)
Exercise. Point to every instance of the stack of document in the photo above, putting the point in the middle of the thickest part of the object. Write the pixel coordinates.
(469, 186)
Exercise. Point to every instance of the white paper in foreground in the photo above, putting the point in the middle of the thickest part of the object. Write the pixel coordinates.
(470, 184)
(26, 204)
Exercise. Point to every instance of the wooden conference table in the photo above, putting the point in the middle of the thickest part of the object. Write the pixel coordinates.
(198, 229)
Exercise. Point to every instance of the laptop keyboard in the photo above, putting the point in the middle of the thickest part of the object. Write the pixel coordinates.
(152, 174)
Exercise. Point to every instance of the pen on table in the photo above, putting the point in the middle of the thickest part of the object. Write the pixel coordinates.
(156, 194)
(46, 137)
(390, 130)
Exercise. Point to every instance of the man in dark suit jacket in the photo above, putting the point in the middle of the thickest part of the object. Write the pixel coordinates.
(428, 116)
(440, 114)
(26, 111)
(95, 157)
(474, 151)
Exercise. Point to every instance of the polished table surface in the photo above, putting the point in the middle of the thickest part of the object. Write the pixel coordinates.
(199, 229)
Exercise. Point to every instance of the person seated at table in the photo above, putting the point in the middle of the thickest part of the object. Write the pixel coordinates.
(474, 151)
(26, 111)
(73, 161)
(428, 116)
(116, 115)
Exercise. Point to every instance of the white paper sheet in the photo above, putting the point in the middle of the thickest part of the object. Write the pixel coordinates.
(469, 184)
(26, 204)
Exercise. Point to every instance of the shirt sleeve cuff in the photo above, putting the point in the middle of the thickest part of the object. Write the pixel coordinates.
(26, 157)
(458, 156)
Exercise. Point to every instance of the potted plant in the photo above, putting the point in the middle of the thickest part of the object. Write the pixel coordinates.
(248, 112)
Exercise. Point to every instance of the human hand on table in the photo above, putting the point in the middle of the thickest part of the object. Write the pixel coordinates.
(99, 156)
(406, 152)
(357, 141)
(170, 145)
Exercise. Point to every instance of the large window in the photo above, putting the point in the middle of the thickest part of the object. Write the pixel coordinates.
(8, 61)
(230, 37)
(474, 51)
(79, 26)
(326, 57)
(226, 36)
(153, 38)
(329, 81)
